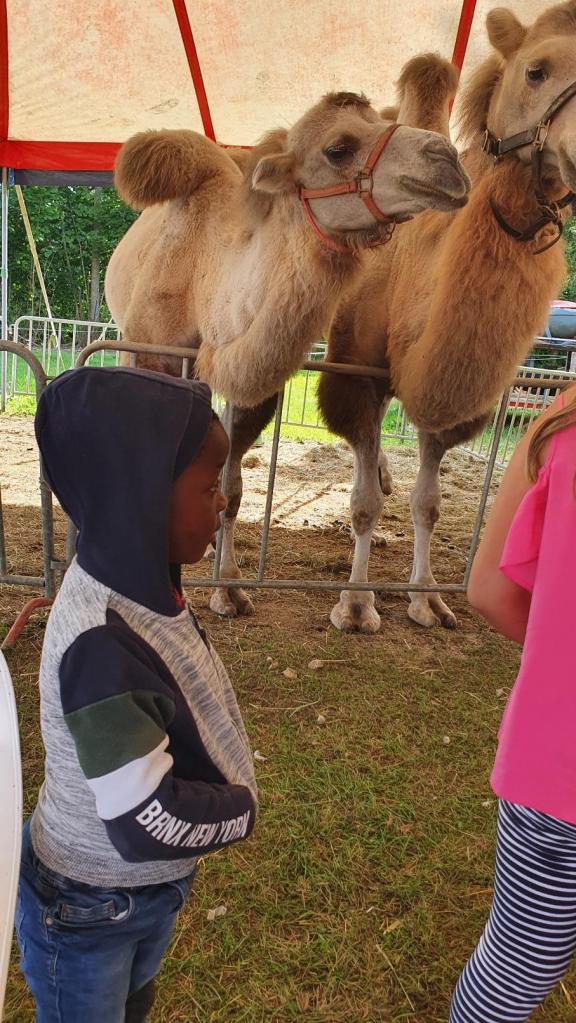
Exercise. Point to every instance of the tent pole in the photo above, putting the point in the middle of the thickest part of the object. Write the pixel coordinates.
(54, 340)
(187, 37)
(4, 276)
(463, 34)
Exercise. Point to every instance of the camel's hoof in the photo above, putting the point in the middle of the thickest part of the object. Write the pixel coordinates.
(229, 603)
(386, 485)
(355, 617)
(384, 476)
(431, 611)
(423, 615)
(448, 620)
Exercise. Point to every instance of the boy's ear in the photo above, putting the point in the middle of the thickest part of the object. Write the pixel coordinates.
(274, 173)
(505, 32)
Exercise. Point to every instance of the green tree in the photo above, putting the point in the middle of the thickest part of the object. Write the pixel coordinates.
(76, 230)
(569, 290)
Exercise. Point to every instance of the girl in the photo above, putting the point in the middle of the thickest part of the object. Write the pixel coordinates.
(522, 583)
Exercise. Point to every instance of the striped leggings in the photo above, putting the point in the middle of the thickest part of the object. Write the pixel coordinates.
(530, 936)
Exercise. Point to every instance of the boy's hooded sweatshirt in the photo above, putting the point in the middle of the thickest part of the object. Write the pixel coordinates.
(147, 761)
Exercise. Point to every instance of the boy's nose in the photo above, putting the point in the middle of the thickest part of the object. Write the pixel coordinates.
(223, 502)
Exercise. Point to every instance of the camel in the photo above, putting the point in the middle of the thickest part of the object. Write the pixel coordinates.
(452, 306)
(433, 308)
(244, 257)
(236, 252)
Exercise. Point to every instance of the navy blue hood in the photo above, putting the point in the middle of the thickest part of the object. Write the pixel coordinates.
(112, 443)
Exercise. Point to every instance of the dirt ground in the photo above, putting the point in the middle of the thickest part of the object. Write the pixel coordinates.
(369, 876)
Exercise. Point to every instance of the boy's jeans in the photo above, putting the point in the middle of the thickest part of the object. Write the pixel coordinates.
(89, 955)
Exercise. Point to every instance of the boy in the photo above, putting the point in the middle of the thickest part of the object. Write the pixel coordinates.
(147, 761)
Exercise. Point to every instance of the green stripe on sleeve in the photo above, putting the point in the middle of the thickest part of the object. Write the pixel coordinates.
(113, 732)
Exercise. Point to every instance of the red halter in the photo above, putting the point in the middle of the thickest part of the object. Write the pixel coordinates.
(362, 185)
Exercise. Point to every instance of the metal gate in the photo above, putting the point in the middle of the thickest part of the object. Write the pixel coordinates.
(530, 392)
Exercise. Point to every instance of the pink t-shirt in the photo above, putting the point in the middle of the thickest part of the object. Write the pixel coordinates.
(536, 759)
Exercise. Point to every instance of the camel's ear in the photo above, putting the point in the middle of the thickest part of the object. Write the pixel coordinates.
(505, 32)
(274, 173)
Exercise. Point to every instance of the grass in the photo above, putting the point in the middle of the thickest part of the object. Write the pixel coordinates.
(301, 417)
(368, 878)
(21, 379)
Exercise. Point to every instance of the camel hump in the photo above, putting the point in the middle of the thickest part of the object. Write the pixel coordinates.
(389, 113)
(426, 84)
(155, 166)
(429, 75)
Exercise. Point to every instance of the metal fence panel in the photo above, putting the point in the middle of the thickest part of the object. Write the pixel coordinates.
(530, 392)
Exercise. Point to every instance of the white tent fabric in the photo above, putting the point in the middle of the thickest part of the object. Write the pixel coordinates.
(96, 71)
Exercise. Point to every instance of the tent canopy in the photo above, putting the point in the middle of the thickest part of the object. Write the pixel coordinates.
(76, 79)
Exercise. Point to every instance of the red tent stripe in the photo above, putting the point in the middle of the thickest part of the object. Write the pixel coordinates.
(100, 156)
(67, 156)
(194, 64)
(4, 97)
(463, 34)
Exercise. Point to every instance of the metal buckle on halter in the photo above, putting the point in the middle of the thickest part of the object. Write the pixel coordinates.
(491, 145)
(364, 183)
(540, 135)
(553, 211)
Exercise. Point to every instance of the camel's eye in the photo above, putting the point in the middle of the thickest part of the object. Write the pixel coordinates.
(534, 75)
(340, 152)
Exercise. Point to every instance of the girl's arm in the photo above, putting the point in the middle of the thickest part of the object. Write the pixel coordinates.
(502, 602)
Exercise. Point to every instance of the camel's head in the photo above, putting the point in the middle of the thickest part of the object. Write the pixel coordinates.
(531, 69)
(330, 145)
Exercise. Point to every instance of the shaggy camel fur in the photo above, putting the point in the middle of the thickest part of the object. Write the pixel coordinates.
(451, 308)
(225, 260)
(435, 80)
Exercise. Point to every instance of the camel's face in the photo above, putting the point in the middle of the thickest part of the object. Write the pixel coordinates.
(540, 63)
(418, 170)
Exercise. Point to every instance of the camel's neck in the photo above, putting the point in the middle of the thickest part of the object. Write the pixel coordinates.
(274, 260)
(280, 287)
(490, 301)
(476, 162)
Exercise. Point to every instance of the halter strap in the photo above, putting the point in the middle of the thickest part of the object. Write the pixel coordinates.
(362, 185)
(536, 137)
(533, 136)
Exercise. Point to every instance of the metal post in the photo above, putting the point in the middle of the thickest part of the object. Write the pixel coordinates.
(500, 419)
(228, 424)
(71, 534)
(2, 541)
(47, 520)
(4, 276)
(270, 491)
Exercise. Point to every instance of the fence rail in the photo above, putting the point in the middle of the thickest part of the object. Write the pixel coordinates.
(47, 581)
(531, 390)
(59, 343)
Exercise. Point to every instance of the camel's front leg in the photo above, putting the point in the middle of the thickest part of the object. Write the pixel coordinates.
(427, 608)
(355, 611)
(231, 601)
(247, 425)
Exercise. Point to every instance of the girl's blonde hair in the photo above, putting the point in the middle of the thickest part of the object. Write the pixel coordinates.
(546, 428)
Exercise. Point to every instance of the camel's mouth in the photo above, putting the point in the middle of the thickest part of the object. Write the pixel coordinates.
(567, 169)
(442, 198)
(366, 237)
